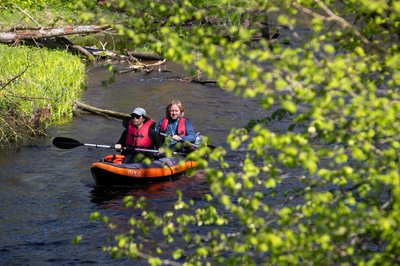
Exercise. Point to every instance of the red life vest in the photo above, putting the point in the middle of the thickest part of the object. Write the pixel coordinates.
(181, 129)
(139, 138)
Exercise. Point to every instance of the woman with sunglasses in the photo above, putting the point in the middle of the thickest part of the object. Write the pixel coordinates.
(139, 133)
(175, 125)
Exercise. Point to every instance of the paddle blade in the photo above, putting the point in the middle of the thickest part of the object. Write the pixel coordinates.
(66, 143)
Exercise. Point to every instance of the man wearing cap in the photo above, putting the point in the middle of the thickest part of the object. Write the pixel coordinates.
(139, 133)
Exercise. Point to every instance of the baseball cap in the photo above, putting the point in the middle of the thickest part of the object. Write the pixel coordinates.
(139, 111)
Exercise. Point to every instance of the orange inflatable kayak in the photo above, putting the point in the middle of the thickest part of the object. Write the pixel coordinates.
(111, 171)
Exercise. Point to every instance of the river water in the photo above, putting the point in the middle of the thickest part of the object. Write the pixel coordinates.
(47, 194)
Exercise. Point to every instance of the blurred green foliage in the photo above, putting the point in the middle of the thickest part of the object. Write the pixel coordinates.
(324, 189)
(318, 182)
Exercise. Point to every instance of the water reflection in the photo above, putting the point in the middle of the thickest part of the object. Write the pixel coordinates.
(193, 187)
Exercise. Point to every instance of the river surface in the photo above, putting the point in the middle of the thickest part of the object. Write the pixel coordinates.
(47, 194)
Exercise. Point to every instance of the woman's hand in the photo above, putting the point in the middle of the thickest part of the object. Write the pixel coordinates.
(118, 147)
(176, 138)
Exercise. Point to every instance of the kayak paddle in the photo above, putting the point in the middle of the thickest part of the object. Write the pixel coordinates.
(67, 143)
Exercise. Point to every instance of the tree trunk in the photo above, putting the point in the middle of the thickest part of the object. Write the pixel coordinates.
(16, 34)
(99, 111)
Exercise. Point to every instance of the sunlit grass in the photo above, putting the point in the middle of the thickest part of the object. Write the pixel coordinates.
(53, 15)
(34, 79)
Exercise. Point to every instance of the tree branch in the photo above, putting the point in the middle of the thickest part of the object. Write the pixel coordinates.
(332, 17)
(17, 35)
(99, 111)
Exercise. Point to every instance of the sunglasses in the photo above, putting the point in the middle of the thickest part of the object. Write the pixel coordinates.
(136, 116)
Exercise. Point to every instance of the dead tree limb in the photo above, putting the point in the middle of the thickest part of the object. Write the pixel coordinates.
(99, 111)
(3, 86)
(207, 81)
(144, 56)
(18, 35)
(137, 65)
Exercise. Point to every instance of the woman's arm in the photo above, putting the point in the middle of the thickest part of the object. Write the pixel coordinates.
(191, 135)
(158, 125)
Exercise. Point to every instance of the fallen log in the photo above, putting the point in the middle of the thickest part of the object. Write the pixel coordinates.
(99, 111)
(145, 56)
(137, 65)
(206, 81)
(17, 35)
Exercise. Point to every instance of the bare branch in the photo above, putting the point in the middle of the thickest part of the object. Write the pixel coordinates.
(332, 17)
(14, 78)
(29, 16)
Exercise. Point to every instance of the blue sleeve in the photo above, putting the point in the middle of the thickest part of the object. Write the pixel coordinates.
(158, 126)
(191, 135)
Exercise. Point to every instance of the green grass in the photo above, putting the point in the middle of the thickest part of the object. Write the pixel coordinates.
(33, 79)
(47, 17)
(53, 15)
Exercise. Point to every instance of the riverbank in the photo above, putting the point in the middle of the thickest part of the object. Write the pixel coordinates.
(37, 89)
(37, 85)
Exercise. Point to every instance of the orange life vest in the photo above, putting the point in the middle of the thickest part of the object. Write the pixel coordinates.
(139, 138)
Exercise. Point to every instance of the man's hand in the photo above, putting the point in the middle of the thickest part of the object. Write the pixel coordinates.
(118, 147)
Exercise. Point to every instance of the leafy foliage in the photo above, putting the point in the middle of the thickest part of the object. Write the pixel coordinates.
(37, 4)
(327, 190)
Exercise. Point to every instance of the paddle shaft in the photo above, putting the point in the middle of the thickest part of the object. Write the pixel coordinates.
(166, 135)
(97, 145)
(123, 148)
(67, 143)
(127, 148)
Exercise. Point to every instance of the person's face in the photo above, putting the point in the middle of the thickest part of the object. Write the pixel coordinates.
(137, 119)
(174, 112)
